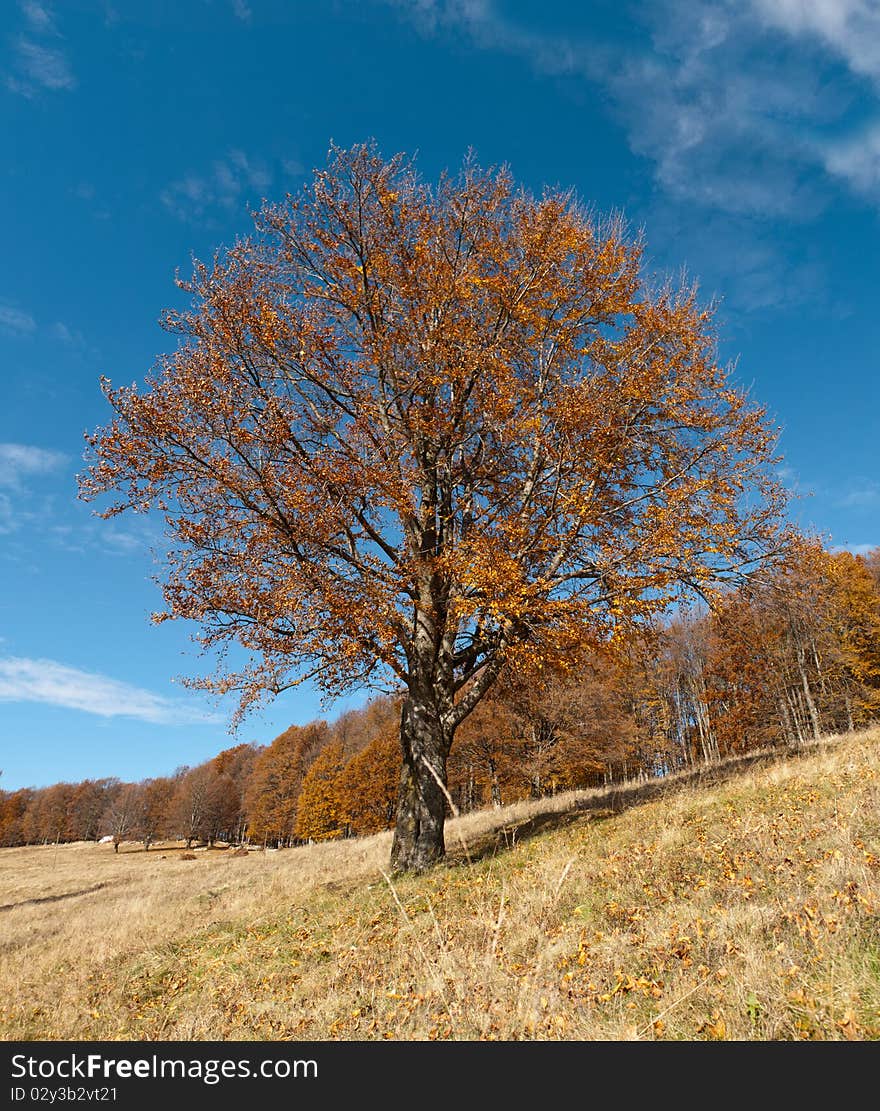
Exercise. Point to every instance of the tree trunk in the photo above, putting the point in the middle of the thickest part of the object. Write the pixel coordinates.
(787, 727)
(496, 786)
(421, 802)
(808, 694)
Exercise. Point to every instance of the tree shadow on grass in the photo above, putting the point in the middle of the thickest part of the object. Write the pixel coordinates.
(607, 803)
(54, 898)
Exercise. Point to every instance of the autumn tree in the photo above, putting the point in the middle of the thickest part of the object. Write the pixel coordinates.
(854, 622)
(154, 802)
(413, 433)
(86, 808)
(47, 817)
(367, 787)
(320, 813)
(189, 805)
(872, 563)
(235, 766)
(274, 786)
(14, 806)
(481, 755)
(122, 814)
(357, 728)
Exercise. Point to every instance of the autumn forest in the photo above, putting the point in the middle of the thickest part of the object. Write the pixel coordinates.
(442, 594)
(450, 442)
(775, 666)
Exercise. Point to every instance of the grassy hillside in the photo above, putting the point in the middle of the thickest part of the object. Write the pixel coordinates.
(742, 905)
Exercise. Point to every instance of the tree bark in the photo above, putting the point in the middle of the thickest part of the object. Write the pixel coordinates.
(496, 786)
(421, 807)
(808, 694)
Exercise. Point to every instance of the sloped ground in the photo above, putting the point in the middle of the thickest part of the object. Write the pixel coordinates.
(745, 905)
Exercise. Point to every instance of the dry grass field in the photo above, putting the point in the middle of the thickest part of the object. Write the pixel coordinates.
(742, 906)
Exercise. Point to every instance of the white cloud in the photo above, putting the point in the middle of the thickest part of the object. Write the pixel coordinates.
(38, 16)
(70, 337)
(229, 181)
(242, 10)
(751, 115)
(856, 549)
(122, 541)
(39, 62)
(861, 495)
(16, 321)
(7, 517)
(18, 461)
(40, 65)
(723, 118)
(731, 102)
(47, 681)
(851, 28)
(856, 159)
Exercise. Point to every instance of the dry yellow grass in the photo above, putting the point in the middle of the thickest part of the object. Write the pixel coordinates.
(743, 907)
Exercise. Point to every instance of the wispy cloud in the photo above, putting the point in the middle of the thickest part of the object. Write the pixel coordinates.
(43, 66)
(851, 28)
(724, 121)
(229, 181)
(38, 16)
(752, 265)
(856, 159)
(15, 321)
(862, 494)
(70, 337)
(856, 549)
(242, 10)
(7, 516)
(39, 62)
(753, 113)
(737, 105)
(20, 461)
(47, 681)
(19, 465)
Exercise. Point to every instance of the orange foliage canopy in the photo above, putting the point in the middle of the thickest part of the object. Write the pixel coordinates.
(423, 432)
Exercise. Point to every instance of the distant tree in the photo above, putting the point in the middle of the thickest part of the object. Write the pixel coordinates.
(872, 562)
(416, 434)
(481, 756)
(46, 818)
(154, 798)
(749, 690)
(14, 806)
(797, 654)
(355, 729)
(274, 787)
(222, 807)
(86, 808)
(189, 803)
(122, 814)
(367, 786)
(320, 813)
(855, 625)
(236, 765)
(679, 667)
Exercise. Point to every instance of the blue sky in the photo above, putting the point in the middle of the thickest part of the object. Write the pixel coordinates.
(743, 137)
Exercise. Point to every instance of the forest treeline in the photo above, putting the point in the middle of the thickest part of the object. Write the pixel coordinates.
(790, 657)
